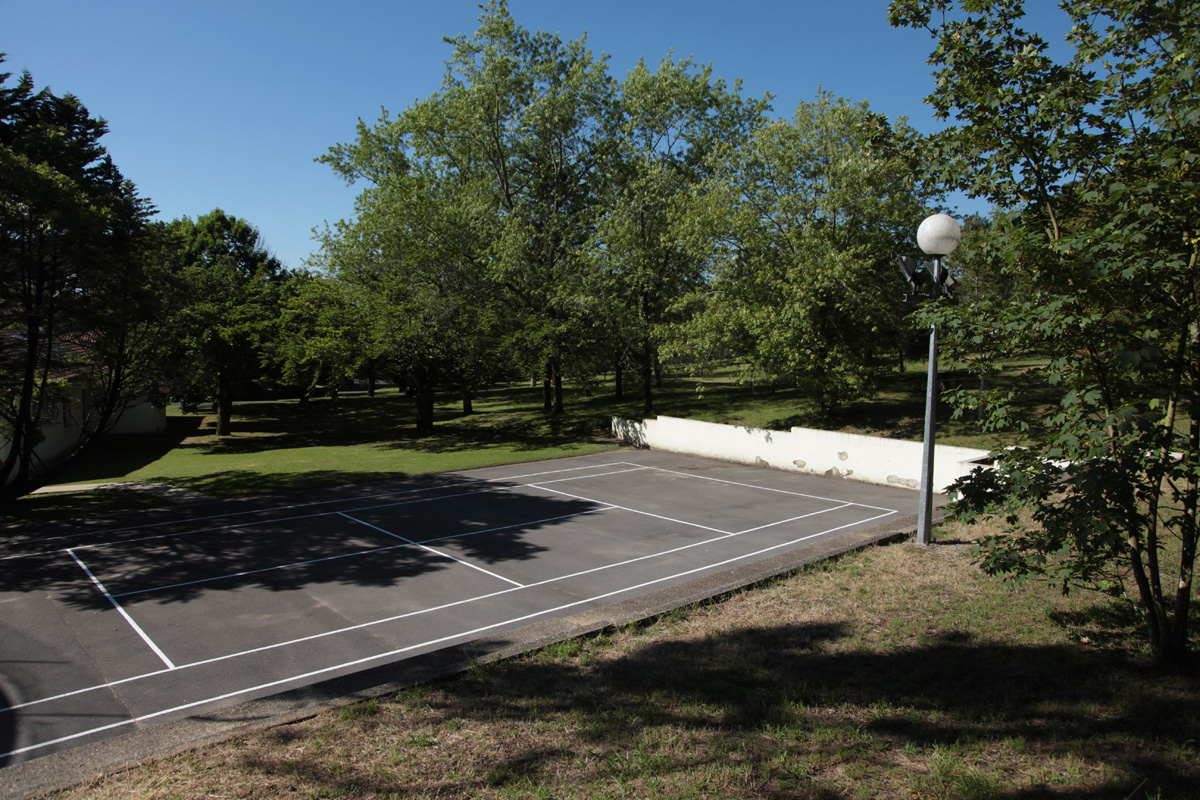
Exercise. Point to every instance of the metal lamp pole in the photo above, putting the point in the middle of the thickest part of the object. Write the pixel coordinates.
(938, 235)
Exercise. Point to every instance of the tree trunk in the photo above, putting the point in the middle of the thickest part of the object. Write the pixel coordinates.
(558, 390)
(547, 393)
(224, 404)
(1176, 646)
(618, 379)
(423, 396)
(647, 382)
(424, 401)
(468, 406)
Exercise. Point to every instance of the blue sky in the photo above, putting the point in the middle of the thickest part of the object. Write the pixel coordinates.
(226, 104)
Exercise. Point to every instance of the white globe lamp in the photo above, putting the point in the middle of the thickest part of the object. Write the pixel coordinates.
(938, 235)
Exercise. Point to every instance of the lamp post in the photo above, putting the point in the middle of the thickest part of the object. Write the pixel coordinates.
(938, 235)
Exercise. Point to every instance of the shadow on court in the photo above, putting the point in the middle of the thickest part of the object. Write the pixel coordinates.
(381, 542)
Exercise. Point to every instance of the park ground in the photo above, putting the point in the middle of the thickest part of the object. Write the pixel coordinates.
(898, 671)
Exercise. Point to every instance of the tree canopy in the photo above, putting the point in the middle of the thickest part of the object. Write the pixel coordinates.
(1094, 163)
(799, 227)
(75, 305)
(227, 293)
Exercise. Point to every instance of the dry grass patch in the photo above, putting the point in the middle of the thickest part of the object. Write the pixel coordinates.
(895, 672)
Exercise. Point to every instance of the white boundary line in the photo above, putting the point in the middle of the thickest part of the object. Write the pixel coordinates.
(249, 523)
(516, 586)
(636, 511)
(408, 648)
(793, 519)
(769, 489)
(137, 628)
(253, 523)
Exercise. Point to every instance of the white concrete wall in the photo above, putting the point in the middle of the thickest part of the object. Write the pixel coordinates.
(842, 455)
(141, 419)
(61, 429)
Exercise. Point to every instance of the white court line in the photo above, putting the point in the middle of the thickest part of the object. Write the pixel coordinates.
(636, 511)
(443, 607)
(585, 477)
(769, 489)
(248, 524)
(137, 628)
(257, 571)
(793, 519)
(198, 531)
(432, 550)
(402, 650)
(248, 512)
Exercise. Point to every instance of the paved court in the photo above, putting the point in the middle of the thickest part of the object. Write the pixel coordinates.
(169, 615)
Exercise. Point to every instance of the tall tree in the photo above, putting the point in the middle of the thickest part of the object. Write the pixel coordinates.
(73, 299)
(520, 119)
(671, 123)
(323, 333)
(412, 255)
(800, 226)
(1094, 160)
(484, 191)
(228, 306)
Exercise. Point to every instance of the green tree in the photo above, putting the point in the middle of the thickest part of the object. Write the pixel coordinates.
(227, 307)
(323, 333)
(412, 256)
(482, 194)
(670, 124)
(75, 310)
(799, 227)
(520, 122)
(1094, 162)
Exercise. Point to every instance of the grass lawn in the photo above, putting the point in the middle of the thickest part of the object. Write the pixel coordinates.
(898, 671)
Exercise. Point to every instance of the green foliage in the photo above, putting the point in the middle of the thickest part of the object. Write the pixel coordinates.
(323, 333)
(669, 125)
(1094, 163)
(226, 306)
(798, 228)
(74, 305)
(478, 203)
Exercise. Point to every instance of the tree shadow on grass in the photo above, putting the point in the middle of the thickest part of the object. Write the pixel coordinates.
(389, 423)
(245, 483)
(791, 718)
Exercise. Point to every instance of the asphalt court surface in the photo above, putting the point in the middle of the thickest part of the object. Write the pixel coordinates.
(167, 616)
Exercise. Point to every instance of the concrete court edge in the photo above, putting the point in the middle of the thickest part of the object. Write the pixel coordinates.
(62, 770)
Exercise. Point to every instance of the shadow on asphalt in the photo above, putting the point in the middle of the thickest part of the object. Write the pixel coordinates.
(317, 545)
